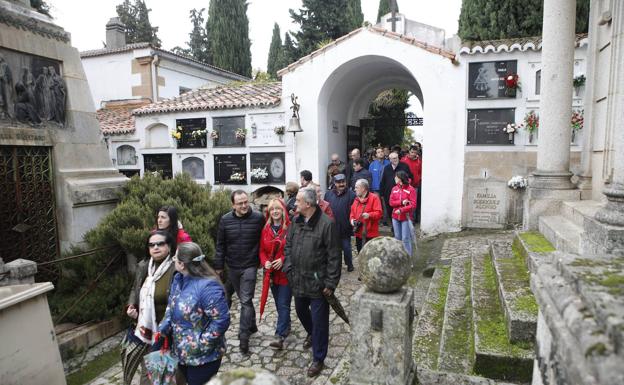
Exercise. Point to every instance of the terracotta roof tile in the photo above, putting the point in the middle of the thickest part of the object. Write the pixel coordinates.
(116, 118)
(507, 45)
(222, 97)
(379, 31)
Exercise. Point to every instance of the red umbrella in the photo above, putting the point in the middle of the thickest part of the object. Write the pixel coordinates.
(266, 282)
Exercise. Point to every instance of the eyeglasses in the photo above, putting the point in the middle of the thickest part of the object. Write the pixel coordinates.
(151, 245)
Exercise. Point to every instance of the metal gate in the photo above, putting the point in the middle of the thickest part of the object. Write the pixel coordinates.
(27, 206)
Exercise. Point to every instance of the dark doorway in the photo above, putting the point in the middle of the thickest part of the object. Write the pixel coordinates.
(354, 140)
(27, 207)
(160, 163)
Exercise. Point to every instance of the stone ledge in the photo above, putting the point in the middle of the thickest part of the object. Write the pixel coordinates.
(83, 337)
(495, 356)
(562, 233)
(514, 289)
(431, 377)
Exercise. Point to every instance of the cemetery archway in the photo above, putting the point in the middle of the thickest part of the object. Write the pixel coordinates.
(336, 84)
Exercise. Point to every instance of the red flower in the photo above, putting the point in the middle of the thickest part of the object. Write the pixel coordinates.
(511, 81)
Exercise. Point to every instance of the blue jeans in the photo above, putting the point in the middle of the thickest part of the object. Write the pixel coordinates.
(199, 375)
(314, 316)
(346, 251)
(402, 233)
(282, 295)
(244, 283)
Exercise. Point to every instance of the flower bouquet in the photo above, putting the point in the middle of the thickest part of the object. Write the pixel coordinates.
(517, 182)
(197, 134)
(576, 123)
(214, 135)
(177, 133)
(280, 131)
(531, 123)
(510, 129)
(512, 83)
(237, 177)
(240, 133)
(259, 173)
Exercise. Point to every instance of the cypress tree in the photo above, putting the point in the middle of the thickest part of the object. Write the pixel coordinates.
(320, 21)
(228, 36)
(138, 27)
(198, 44)
(275, 51)
(355, 17)
(500, 19)
(288, 53)
(383, 9)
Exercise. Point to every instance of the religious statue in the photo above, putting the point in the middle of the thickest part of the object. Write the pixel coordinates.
(57, 87)
(6, 90)
(295, 106)
(25, 111)
(44, 94)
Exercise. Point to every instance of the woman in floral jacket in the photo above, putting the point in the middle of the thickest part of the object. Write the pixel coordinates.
(197, 316)
(403, 203)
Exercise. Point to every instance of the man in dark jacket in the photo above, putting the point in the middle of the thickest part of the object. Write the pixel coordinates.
(312, 263)
(340, 199)
(238, 239)
(387, 181)
(360, 172)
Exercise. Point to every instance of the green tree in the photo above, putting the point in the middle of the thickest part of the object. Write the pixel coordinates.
(355, 17)
(275, 51)
(138, 27)
(319, 20)
(228, 36)
(383, 9)
(289, 51)
(390, 105)
(198, 45)
(500, 19)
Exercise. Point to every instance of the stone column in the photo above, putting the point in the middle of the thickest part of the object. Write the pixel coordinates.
(553, 151)
(613, 212)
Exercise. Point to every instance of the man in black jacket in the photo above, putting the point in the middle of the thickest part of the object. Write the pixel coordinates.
(340, 199)
(387, 181)
(238, 240)
(312, 263)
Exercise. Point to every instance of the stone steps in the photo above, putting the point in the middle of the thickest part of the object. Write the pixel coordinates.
(495, 356)
(577, 211)
(514, 290)
(562, 232)
(426, 340)
(456, 345)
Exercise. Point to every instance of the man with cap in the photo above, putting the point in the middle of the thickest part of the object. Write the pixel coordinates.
(340, 199)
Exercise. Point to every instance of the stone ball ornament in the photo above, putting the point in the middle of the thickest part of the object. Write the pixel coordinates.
(384, 265)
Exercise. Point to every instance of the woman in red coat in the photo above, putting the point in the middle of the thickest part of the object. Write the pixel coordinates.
(403, 203)
(167, 220)
(272, 242)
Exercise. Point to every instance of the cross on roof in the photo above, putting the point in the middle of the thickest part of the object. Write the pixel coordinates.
(394, 10)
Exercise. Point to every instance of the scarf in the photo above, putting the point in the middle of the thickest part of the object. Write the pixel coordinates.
(146, 324)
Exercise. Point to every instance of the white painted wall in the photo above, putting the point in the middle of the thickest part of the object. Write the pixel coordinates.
(110, 77)
(180, 75)
(341, 80)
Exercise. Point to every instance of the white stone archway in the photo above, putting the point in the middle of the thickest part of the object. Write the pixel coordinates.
(336, 84)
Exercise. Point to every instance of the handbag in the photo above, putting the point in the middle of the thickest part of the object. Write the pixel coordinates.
(132, 352)
(161, 366)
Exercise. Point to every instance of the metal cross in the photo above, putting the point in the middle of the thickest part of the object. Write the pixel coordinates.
(393, 18)
(475, 120)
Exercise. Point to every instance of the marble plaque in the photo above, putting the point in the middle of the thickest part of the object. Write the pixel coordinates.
(486, 204)
(262, 132)
(485, 126)
(486, 80)
(268, 168)
(230, 169)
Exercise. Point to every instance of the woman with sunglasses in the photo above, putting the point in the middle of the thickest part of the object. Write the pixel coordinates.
(197, 316)
(150, 292)
(167, 220)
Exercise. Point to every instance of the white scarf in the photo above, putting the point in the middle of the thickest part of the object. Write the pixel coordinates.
(146, 324)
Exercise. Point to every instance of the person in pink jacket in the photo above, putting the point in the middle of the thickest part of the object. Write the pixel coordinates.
(403, 203)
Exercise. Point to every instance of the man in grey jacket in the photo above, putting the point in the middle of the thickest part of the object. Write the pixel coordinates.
(312, 263)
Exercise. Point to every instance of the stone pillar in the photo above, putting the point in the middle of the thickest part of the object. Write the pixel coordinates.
(613, 212)
(17, 272)
(553, 151)
(382, 324)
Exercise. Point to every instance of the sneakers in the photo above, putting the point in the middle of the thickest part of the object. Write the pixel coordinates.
(315, 369)
(307, 343)
(277, 343)
(244, 346)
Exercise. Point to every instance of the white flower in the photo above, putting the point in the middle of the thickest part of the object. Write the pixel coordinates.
(517, 182)
(259, 173)
(237, 176)
(510, 128)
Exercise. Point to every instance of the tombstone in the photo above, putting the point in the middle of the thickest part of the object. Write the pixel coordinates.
(382, 326)
(58, 179)
(486, 204)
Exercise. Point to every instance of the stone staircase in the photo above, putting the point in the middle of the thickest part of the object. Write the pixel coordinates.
(565, 231)
(478, 321)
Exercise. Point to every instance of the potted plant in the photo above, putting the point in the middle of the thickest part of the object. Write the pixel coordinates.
(576, 122)
(531, 123)
(280, 131)
(578, 82)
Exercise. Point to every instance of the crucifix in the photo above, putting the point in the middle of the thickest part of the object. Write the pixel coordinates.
(393, 18)
(475, 120)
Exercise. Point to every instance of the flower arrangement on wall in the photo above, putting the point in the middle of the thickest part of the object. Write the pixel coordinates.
(177, 133)
(576, 122)
(214, 135)
(237, 177)
(259, 173)
(512, 83)
(279, 130)
(510, 129)
(198, 134)
(517, 182)
(240, 133)
(531, 123)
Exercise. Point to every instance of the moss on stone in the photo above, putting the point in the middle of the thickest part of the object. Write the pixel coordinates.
(236, 374)
(94, 368)
(536, 242)
(526, 303)
(516, 278)
(596, 349)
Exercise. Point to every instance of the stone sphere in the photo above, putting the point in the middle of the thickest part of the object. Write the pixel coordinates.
(384, 265)
(246, 376)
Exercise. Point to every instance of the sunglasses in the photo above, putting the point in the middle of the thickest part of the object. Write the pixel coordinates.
(151, 245)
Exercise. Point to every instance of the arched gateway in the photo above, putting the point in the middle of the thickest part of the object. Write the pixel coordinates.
(336, 84)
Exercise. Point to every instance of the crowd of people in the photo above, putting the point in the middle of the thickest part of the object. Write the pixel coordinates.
(300, 242)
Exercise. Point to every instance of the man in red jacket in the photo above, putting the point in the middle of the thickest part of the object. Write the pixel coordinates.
(414, 162)
(365, 214)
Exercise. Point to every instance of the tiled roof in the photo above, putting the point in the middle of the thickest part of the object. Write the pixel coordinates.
(218, 98)
(116, 118)
(160, 51)
(507, 45)
(376, 30)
